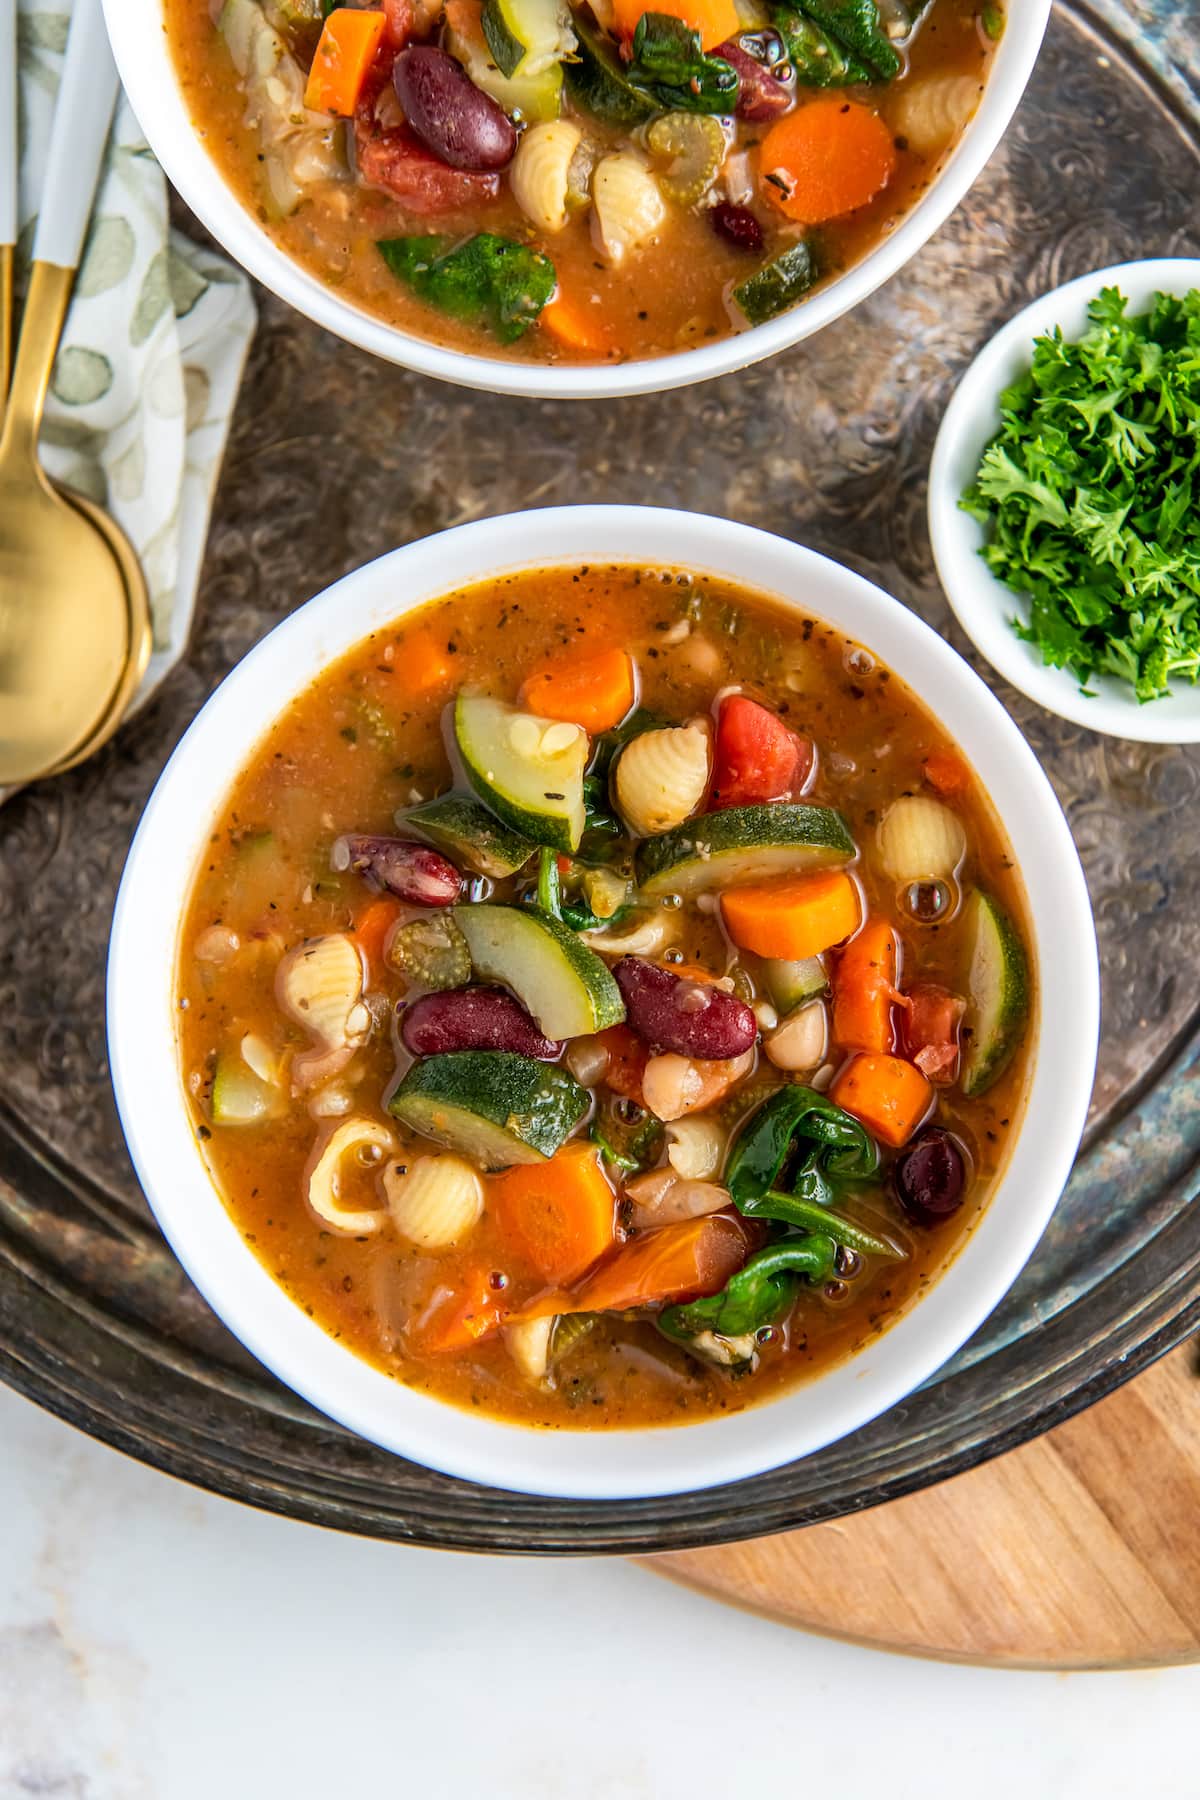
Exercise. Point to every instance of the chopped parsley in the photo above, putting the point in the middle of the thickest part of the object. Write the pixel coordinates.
(1089, 493)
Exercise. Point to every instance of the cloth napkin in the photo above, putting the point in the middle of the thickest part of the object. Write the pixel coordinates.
(147, 375)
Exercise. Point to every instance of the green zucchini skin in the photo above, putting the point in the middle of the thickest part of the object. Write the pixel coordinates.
(998, 984)
(491, 1105)
(514, 787)
(465, 829)
(563, 984)
(742, 844)
(599, 84)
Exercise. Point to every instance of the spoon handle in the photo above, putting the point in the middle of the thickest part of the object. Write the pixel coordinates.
(8, 183)
(83, 113)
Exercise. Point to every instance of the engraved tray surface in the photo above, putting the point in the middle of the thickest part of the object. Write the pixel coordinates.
(335, 458)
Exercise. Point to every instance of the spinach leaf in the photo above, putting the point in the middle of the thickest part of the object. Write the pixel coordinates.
(628, 1144)
(486, 278)
(760, 1294)
(669, 62)
(833, 43)
(600, 82)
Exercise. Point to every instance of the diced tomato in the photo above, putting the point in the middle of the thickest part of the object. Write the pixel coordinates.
(946, 773)
(398, 22)
(422, 182)
(627, 1059)
(757, 757)
(931, 1030)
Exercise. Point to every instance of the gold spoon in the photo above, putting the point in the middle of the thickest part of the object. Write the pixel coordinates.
(67, 631)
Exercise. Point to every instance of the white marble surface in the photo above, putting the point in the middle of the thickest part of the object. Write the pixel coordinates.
(159, 1644)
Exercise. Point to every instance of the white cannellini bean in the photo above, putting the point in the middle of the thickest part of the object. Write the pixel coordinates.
(529, 1345)
(799, 1043)
(695, 1147)
(587, 1059)
(539, 174)
(216, 944)
(920, 839)
(628, 207)
(674, 1085)
(662, 776)
(325, 1177)
(435, 1201)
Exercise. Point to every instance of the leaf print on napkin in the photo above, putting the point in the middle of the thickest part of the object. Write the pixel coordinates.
(187, 286)
(107, 256)
(81, 376)
(152, 301)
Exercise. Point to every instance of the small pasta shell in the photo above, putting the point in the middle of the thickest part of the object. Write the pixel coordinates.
(643, 936)
(695, 1147)
(319, 986)
(435, 1201)
(920, 840)
(325, 1177)
(629, 207)
(662, 776)
(529, 1345)
(540, 170)
(929, 114)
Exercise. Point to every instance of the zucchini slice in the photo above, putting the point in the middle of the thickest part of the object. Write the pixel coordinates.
(491, 1106)
(599, 84)
(564, 985)
(527, 37)
(528, 771)
(998, 985)
(467, 831)
(534, 98)
(793, 984)
(742, 844)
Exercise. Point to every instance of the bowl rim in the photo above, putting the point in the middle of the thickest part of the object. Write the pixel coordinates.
(166, 1155)
(981, 603)
(147, 69)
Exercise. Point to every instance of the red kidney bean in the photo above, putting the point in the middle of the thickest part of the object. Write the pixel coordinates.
(930, 1177)
(449, 114)
(761, 95)
(475, 1018)
(738, 224)
(672, 1012)
(413, 872)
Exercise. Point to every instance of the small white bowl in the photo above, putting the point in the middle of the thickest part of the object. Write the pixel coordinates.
(148, 72)
(149, 1084)
(984, 605)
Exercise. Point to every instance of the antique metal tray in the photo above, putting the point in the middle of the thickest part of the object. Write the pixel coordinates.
(336, 458)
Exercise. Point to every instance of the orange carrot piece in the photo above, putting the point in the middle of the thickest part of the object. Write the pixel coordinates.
(888, 1095)
(575, 327)
(345, 51)
(423, 662)
(468, 1312)
(946, 773)
(715, 20)
(864, 990)
(595, 691)
(796, 917)
(827, 158)
(371, 929)
(674, 1263)
(560, 1216)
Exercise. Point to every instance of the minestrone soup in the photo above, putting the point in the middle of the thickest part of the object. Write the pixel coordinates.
(605, 998)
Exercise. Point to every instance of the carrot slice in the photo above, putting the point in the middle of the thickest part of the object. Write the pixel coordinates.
(595, 691)
(888, 1095)
(676, 1262)
(423, 662)
(560, 1216)
(574, 327)
(828, 157)
(469, 1311)
(371, 929)
(345, 51)
(946, 773)
(715, 20)
(794, 918)
(864, 990)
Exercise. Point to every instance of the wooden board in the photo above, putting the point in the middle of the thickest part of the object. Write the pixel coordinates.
(1079, 1550)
